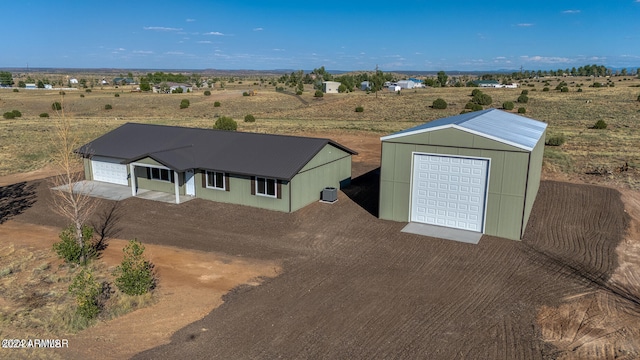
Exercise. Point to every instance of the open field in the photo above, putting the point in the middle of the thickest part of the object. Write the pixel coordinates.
(25, 142)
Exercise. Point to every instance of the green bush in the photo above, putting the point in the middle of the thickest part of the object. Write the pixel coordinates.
(216, 104)
(56, 106)
(524, 92)
(207, 93)
(44, 115)
(439, 104)
(522, 110)
(600, 124)
(579, 90)
(134, 275)
(116, 95)
(318, 94)
(108, 107)
(523, 99)
(16, 90)
(68, 248)
(555, 140)
(359, 109)
(249, 118)
(596, 85)
(473, 106)
(8, 115)
(184, 103)
(87, 291)
(483, 99)
(545, 89)
(299, 92)
(81, 95)
(342, 88)
(508, 105)
(87, 90)
(564, 89)
(16, 113)
(245, 93)
(225, 123)
(476, 92)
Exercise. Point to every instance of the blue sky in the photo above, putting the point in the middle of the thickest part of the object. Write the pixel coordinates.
(339, 35)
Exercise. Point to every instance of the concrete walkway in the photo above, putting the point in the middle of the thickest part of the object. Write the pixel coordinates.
(116, 192)
(470, 237)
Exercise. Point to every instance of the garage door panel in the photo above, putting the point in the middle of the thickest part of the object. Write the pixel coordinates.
(455, 191)
(109, 170)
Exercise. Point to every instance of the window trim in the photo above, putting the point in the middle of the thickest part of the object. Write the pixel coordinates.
(209, 173)
(265, 180)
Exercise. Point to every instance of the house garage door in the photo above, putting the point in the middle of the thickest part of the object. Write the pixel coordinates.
(109, 170)
(449, 191)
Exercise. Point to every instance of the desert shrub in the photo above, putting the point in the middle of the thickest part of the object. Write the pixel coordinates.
(545, 89)
(579, 90)
(523, 99)
(108, 107)
(16, 113)
(244, 93)
(16, 90)
(473, 106)
(596, 85)
(318, 94)
(86, 289)
(62, 93)
(564, 89)
(184, 103)
(612, 84)
(555, 140)
(522, 110)
(249, 118)
(600, 124)
(359, 109)
(524, 92)
(207, 93)
(8, 115)
(299, 92)
(56, 106)
(439, 104)
(216, 104)
(81, 95)
(476, 92)
(44, 115)
(134, 275)
(116, 95)
(342, 88)
(507, 105)
(225, 123)
(482, 99)
(68, 248)
(87, 90)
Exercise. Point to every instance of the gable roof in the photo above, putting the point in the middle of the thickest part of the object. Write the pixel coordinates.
(498, 125)
(182, 148)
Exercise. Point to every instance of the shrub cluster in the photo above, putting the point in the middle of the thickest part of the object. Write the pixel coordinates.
(523, 99)
(439, 104)
(318, 94)
(480, 98)
(225, 123)
(207, 93)
(522, 110)
(524, 92)
(108, 107)
(56, 106)
(68, 248)
(12, 114)
(249, 118)
(86, 289)
(134, 276)
(116, 95)
(555, 140)
(600, 124)
(44, 115)
(245, 93)
(359, 109)
(473, 106)
(508, 105)
(184, 103)
(216, 104)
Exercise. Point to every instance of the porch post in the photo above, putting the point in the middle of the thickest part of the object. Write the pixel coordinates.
(176, 186)
(132, 176)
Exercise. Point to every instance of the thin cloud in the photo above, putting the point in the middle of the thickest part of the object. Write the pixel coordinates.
(578, 11)
(216, 33)
(525, 25)
(546, 59)
(204, 42)
(174, 53)
(144, 52)
(161, 28)
(277, 49)
(190, 20)
(258, 29)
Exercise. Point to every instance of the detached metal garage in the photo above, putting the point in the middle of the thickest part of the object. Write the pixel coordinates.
(478, 171)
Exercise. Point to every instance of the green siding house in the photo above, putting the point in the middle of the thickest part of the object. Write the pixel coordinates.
(478, 171)
(276, 172)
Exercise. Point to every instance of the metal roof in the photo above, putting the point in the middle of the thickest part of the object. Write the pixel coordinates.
(498, 125)
(181, 148)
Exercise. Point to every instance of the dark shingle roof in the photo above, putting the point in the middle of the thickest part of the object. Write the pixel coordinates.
(181, 148)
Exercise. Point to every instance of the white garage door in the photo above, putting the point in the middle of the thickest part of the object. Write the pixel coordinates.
(108, 170)
(449, 191)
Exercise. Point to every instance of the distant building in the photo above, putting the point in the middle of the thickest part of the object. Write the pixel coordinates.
(123, 81)
(406, 84)
(365, 85)
(48, 86)
(73, 81)
(394, 88)
(487, 83)
(330, 87)
(30, 86)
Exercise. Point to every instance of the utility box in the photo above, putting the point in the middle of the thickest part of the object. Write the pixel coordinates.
(329, 194)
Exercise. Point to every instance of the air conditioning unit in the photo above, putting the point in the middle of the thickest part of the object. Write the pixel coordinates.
(329, 194)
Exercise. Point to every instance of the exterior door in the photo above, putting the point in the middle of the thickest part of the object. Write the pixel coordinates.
(449, 191)
(190, 188)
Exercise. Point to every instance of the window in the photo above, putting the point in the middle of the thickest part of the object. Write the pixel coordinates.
(266, 187)
(215, 180)
(160, 174)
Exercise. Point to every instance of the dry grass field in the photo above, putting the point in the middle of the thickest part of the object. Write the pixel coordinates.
(25, 142)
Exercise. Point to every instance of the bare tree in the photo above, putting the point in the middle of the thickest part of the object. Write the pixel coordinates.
(72, 198)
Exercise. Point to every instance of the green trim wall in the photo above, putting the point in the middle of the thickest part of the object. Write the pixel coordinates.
(513, 176)
(240, 193)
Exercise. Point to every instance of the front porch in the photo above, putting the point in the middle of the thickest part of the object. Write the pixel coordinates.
(116, 192)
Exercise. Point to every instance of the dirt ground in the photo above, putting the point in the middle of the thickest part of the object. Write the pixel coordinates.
(353, 286)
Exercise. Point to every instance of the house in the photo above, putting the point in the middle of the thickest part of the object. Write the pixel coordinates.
(394, 88)
(73, 81)
(30, 86)
(48, 86)
(330, 87)
(123, 81)
(406, 84)
(487, 83)
(276, 172)
(479, 172)
(168, 88)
